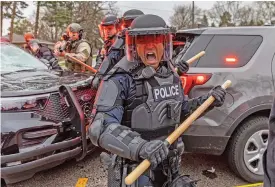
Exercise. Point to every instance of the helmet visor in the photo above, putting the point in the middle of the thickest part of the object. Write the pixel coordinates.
(126, 23)
(107, 31)
(148, 47)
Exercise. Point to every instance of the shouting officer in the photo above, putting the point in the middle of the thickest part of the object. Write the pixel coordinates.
(78, 48)
(116, 51)
(44, 53)
(269, 156)
(139, 102)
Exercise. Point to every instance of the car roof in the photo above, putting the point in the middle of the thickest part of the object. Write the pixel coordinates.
(246, 30)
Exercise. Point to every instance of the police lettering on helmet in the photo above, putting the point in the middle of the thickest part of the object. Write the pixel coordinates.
(108, 27)
(151, 45)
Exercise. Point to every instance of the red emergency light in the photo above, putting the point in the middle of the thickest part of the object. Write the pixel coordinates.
(231, 60)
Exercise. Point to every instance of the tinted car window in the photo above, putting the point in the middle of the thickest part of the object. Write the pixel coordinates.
(14, 59)
(229, 51)
(199, 44)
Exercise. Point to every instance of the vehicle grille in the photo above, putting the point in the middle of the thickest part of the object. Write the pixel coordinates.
(57, 110)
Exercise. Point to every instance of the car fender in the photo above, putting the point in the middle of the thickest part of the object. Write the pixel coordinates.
(244, 115)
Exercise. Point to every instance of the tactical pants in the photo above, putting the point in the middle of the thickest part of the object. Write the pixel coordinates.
(155, 178)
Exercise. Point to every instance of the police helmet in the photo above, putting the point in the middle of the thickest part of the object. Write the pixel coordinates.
(75, 27)
(108, 23)
(148, 29)
(109, 20)
(129, 16)
(132, 14)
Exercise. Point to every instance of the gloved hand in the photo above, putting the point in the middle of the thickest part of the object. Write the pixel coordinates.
(96, 80)
(219, 94)
(183, 67)
(155, 151)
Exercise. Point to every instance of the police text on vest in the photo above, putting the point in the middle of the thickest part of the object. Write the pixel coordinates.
(166, 92)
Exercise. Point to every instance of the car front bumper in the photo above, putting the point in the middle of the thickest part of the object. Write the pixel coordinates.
(16, 173)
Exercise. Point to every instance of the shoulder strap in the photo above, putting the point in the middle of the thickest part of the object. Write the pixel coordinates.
(126, 65)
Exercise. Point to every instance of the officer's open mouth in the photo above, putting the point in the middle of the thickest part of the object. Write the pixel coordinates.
(150, 56)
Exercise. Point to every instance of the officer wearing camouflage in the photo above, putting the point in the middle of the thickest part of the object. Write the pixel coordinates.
(139, 103)
(78, 48)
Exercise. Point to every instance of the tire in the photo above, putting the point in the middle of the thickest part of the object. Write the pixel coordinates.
(242, 140)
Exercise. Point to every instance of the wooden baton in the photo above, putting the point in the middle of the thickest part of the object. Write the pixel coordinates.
(145, 164)
(82, 63)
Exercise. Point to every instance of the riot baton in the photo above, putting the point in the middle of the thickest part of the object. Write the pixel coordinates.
(81, 63)
(145, 164)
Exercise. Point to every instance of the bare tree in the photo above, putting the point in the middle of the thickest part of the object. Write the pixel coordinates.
(182, 17)
(12, 19)
(6, 7)
(265, 10)
(37, 18)
(223, 10)
(17, 7)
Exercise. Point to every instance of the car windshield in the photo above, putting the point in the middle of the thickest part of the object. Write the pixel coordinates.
(14, 59)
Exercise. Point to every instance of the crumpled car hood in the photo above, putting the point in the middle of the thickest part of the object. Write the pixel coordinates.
(37, 82)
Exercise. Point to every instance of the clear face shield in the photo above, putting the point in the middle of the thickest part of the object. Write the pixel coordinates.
(107, 31)
(126, 23)
(151, 49)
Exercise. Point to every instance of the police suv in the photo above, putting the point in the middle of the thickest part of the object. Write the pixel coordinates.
(246, 56)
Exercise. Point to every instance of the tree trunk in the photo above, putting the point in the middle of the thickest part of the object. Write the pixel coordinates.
(37, 18)
(2, 14)
(12, 20)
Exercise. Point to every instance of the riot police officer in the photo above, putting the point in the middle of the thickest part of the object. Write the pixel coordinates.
(108, 29)
(116, 51)
(269, 156)
(77, 47)
(44, 53)
(139, 102)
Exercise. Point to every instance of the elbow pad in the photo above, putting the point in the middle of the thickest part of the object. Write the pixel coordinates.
(122, 141)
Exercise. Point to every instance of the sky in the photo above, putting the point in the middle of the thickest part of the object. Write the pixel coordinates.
(161, 8)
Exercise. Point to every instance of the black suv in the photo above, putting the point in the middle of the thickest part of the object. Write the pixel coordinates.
(246, 56)
(40, 127)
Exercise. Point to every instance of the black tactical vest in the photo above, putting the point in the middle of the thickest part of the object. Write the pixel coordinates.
(156, 107)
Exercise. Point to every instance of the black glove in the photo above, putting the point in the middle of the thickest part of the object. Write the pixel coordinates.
(219, 94)
(183, 67)
(155, 151)
(96, 81)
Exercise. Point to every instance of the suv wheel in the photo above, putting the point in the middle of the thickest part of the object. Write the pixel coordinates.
(246, 149)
